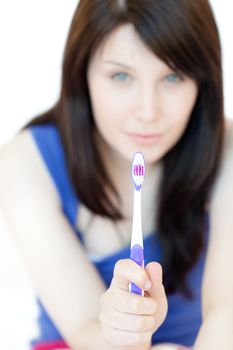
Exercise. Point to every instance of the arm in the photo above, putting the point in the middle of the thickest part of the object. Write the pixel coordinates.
(64, 279)
(217, 329)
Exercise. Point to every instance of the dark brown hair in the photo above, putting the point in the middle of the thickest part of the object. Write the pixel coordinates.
(184, 35)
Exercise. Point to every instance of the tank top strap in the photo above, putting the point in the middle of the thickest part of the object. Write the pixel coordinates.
(48, 141)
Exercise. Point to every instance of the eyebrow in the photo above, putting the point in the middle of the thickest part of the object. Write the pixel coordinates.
(119, 64)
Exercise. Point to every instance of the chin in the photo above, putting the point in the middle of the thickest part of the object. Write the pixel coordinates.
(150, 156)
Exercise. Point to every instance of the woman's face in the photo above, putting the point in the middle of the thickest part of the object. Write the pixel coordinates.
(138, 102)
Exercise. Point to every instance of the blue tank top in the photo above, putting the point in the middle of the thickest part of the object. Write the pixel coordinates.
(184, 316)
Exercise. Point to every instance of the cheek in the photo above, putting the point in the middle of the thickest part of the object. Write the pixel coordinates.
(108, 105)
(106, 110)
(180, 107)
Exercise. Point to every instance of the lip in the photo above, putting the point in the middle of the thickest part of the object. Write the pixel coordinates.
(145, 138)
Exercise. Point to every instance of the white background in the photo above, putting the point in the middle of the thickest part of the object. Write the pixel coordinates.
(32, 37)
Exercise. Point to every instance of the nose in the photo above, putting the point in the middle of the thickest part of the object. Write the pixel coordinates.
(148, 105)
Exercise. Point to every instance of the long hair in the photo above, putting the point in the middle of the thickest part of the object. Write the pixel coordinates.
(184, 35)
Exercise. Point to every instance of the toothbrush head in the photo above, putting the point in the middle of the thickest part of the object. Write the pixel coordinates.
(138, 170)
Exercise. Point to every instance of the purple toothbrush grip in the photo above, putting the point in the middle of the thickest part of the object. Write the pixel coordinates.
(136, 254)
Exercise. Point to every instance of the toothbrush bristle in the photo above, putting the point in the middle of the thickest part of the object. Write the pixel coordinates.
(138, 170)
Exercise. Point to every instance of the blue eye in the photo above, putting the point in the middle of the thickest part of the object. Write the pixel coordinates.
(121, 76)
(173, 77)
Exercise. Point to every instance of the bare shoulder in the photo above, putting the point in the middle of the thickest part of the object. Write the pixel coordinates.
(220, 247)
(19, 145)
(22, 167)
(228, 147)
(224, 181)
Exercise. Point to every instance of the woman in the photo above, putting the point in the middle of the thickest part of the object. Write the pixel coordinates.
(136, 76)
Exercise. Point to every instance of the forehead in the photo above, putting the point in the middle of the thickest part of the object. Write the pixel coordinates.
(125, 45)
(123, 40)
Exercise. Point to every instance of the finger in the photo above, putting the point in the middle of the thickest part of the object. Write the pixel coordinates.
(118, 338)
(155, 273)
(126, 271)
(126, 302)
(157, 291)
(127, 322)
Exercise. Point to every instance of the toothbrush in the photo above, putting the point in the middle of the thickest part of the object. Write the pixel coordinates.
(136, 250)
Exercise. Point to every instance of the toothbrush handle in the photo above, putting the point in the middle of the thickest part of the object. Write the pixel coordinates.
(136, 254)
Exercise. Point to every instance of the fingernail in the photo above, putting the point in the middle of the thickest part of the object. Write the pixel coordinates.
(148, 285)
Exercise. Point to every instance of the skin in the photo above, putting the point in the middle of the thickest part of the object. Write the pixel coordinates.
(133, 91)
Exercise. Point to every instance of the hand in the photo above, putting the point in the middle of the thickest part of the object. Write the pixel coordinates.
(129, 319)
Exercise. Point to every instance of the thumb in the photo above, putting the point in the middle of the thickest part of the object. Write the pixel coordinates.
(155, 273)
(157, 291)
